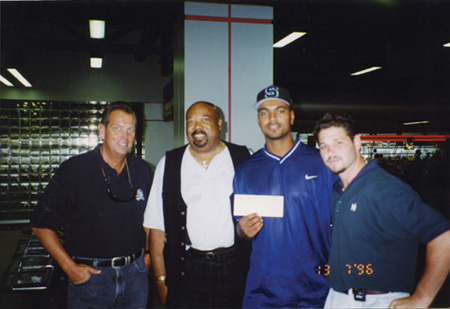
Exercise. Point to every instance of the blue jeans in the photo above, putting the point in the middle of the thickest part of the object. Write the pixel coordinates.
(123, 287)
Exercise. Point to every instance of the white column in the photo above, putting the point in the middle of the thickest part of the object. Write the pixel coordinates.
(226, 58)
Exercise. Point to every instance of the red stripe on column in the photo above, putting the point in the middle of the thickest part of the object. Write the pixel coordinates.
(229, 74)
(228, 19)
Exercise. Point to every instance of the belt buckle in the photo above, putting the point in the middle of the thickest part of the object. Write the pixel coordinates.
(115, 259)
(359, 294)
(210, 255)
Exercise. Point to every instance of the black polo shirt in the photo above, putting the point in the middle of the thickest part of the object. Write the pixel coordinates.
(77, 200)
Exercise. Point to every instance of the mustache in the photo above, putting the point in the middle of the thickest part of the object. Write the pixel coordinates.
(332, 157)
(272, 123)
(198, 132)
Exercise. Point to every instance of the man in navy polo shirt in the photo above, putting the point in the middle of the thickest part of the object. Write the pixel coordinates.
(98, 199)
(378, 222)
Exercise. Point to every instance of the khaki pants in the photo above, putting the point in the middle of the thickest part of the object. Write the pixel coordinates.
(341, 300)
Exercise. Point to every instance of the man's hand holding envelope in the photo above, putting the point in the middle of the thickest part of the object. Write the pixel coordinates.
(253, 208)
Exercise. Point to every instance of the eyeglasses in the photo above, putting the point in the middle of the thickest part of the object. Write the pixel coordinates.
(111, 195)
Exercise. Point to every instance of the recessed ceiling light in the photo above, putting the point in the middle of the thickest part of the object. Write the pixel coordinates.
(96, 62)
(415, 122)
(19, 77)
(6, 82)
(365, 71)
(288, 39)
(447, 44)
(97, 29)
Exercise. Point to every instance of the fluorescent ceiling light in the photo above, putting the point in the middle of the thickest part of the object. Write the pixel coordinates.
(97, 29)
(365, 71)
(447, 45)
(6, 82)
(96, 62)
(19, 77)
(289, 39)
(415, 122)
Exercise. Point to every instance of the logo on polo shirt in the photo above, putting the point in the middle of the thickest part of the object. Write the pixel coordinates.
(308, 177)
(140, 195)
(353, 207)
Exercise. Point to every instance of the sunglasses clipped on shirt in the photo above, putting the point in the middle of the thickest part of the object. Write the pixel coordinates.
(111, 195)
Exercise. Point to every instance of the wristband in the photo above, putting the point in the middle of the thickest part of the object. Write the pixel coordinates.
(160, 279)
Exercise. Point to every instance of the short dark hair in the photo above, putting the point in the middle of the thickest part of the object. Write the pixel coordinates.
(116, 106)
(336, 119)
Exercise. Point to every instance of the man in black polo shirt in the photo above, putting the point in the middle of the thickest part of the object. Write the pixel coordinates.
(98, 200)
(378, 222)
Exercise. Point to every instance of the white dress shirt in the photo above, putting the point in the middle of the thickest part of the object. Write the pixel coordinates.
(206, 193)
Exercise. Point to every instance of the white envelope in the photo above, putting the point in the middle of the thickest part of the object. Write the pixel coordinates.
(263, 205)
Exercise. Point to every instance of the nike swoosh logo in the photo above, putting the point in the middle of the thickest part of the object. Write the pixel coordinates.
(307, 177)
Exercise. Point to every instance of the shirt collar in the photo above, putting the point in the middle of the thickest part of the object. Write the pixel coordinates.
(371, 165)
(102, 162)
(287, 155)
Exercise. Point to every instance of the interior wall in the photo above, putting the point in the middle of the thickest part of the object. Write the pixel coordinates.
(178, 87)
(158, 135)
(252, 67)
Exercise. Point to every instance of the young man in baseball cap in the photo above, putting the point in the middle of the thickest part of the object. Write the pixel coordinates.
(288, 252)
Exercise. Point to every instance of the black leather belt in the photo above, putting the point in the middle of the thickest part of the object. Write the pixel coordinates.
(360, 294)
(114, 262)
(213, 253)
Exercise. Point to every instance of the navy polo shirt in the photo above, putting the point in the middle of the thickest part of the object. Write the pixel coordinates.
(378, 222)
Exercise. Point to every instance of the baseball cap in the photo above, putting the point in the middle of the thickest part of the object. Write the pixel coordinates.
(273, 92)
